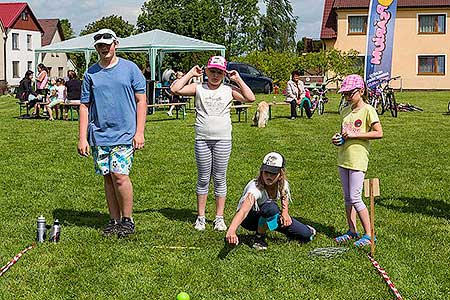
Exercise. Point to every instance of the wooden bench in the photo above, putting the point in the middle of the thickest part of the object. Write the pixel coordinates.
(23, 105)
(177, 105)
(276, 104)
(241, 108)
(70, 106)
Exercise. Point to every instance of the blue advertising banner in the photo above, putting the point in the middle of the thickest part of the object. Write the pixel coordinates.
(380, 41)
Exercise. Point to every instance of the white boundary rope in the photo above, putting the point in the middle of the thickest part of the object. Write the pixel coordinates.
(14, 260)
(385, 277)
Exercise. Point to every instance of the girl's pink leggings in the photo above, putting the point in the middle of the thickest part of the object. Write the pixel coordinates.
(352, 182)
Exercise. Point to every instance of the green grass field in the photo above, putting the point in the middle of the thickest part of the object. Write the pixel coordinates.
(42, 174)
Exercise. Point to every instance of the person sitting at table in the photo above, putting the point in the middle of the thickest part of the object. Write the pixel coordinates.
(174, 98)
(295, 95)
(25, 91)
(73, 86)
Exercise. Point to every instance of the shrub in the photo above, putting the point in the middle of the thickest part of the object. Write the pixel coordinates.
(4, 87)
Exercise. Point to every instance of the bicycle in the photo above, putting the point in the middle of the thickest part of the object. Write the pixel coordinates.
(408, 107)
(388, 96)
(376, 98)
(319, 98)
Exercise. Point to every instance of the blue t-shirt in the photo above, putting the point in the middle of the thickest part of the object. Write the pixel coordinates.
(112, 104)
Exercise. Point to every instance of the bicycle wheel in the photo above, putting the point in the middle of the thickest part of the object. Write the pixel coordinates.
(383, 104)
(392, 105)
(320, 107)
(342, 104)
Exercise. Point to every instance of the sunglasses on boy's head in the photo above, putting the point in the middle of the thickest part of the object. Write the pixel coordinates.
(106, 36)
(350, 94)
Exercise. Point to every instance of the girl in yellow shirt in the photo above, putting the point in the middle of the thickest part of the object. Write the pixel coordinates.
(360, 123)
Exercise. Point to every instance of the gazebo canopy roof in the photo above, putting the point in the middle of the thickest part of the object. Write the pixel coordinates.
(156, 39)
(166, 42)
(78, 44)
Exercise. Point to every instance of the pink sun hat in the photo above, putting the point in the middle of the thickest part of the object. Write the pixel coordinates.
(352, 82)
(217, 62)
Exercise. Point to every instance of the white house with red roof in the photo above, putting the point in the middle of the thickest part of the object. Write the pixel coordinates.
(23, 34)
(2, 51)
(57, 63)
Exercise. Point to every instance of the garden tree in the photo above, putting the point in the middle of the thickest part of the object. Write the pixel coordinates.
(122, 29)
(279, 65)
(278, 26)
(332, 62)
(241, 25)
(67, 29)
(274, 64)
(199, 19)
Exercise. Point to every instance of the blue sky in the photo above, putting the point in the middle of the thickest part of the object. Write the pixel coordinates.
(83, 12)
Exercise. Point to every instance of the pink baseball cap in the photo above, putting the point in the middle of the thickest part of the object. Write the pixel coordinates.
(217, 62)
(352, 82)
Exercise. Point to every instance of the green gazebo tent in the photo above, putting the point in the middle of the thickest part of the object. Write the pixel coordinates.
(155, 42)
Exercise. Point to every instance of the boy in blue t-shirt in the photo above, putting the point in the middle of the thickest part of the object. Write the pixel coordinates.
(112, 120)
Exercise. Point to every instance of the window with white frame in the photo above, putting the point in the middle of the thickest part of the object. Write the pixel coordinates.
(29, 42)
(357, 24)
(60, 72)
(29, 65)
(431, 65)
(434, 23)
(15, 69)
(15, 41)
(24, 16)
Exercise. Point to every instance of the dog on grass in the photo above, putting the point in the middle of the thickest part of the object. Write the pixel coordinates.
(261, 115)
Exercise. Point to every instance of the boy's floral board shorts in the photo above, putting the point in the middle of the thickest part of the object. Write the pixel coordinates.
(113, 159)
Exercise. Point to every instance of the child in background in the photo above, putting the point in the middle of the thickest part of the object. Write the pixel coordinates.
(174, 98)
(258, 209)
(360, 124)
(57, 96)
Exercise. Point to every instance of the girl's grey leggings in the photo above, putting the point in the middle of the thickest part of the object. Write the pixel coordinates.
(352, 182)
(212, 159)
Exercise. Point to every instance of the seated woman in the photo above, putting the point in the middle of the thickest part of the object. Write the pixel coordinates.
(258, 209)
(25, 91)
(295, 95)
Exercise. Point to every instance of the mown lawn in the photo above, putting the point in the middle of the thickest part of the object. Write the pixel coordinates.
(42, 174)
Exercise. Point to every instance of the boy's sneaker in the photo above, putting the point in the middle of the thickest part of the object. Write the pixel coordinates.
(200, 223)
(259, 242)
(169, 113)
(219, 224)
(110, 228)
(126, 227)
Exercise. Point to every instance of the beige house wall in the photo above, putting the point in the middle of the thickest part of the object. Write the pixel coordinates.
(408, 44)
(56, 60)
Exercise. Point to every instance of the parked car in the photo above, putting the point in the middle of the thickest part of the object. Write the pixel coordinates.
(253, 77)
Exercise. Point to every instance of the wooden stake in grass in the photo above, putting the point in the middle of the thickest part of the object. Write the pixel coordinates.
(372, 190)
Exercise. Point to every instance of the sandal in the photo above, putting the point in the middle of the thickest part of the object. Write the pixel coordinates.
(346, 237)
(364, 241)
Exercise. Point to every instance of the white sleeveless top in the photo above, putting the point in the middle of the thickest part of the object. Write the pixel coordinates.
(213, 120)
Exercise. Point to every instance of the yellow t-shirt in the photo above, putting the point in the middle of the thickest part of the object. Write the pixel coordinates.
(354, 153)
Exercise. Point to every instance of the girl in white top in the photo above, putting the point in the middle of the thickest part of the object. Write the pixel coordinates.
(60, 97)
(258, 209)
(213, 100)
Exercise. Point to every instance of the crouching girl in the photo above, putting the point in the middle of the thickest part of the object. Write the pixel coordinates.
(258, 209)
